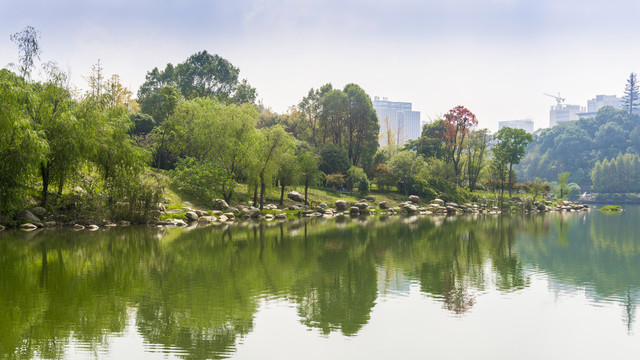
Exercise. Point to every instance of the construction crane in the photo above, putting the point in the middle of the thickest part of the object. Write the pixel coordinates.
(559, 99)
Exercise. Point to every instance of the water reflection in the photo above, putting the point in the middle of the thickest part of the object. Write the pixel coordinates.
(199, 290)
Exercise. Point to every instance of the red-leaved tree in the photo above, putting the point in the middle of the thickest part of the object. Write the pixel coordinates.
(458, 121)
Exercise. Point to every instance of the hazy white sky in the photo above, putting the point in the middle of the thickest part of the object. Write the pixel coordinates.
(496, 57)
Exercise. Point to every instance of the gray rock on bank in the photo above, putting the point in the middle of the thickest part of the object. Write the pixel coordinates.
(295, 196)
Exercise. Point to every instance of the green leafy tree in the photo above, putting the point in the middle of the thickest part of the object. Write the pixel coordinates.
(21, 146)
(362, 126)
(406, 167)
(308, 167)
(272, 144)
(476, 155)
(432, 142)
(288, 171)
(563, 188)
(510, 147)
(334, 160)
(202, 180)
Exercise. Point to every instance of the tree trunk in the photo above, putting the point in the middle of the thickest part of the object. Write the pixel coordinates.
(306, 188)
(510, 179)
(255, 195)
(262, 189)
(281, 194)
(45, 170)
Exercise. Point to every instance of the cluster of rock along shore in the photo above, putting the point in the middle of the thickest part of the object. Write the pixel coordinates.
(223, 213)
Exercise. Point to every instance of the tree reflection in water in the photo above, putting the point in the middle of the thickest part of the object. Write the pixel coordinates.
(198, 290)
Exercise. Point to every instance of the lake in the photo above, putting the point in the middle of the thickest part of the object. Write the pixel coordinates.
(538, 286)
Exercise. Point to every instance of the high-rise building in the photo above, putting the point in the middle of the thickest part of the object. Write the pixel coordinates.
(601, 101)
(526, 125)
(598, 103)
(563, 113)
(397, 119)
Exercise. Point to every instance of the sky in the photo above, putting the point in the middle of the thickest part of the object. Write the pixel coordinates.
(495, 57)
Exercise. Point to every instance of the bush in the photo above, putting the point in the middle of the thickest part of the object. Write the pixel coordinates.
(201, 181)
(363, 186)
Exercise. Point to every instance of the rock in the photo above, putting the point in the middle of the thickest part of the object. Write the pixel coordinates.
(371, 198)
(342, 205)
(216, 212)
(174, 211)
(354, 210)
(93, 227)
(39, 211)
(254, 212)
(541, 207)
(414, 199)
(268, 217)
(451, 204)
(2, 227)
(410, 208)
(38, 224)
(220, 204)
(365, 211)
(179, 222)
(270, 207)
(200, 213)
(223, 218)
(362, 205)
(191, 216)
(281, 216)
(28, 227)
(26, 215)
(384, 205)
(295, 196)
(78, 227)
(323, 205)
(438, 201)
(124, 223)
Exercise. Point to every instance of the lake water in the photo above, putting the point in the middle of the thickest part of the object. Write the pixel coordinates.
(547, 286)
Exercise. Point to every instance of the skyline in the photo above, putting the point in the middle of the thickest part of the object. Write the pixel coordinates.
(495, 57)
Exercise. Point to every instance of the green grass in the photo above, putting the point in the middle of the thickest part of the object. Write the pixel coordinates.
(611, 208)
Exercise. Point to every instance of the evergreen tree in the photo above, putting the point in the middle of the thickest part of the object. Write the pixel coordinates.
(631, 94)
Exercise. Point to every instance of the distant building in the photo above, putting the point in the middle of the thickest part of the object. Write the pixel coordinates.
(398, 117)
(562, 113)
(526, 125)
(598, 103)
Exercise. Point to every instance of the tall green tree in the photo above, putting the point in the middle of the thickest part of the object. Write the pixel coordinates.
(362, 126)
(21, 146)
(476, 155)
(201, 75)
(272, 144)
(509, 148)
(52, 114)
(631, 97)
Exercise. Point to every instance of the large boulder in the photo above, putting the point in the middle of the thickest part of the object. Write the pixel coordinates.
(362, 205)
(342, 205)
(384, 205)
(191, 216)
(354, 210)
(295, 196)
(220, 204)
(438, 201)
(414, 199)
(39, 211)
(26, 215)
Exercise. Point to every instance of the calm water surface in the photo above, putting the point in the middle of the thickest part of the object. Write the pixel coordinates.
(488, 287)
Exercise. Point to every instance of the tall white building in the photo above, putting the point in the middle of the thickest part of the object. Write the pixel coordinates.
(398, 117)
(526, 125)
(563, 113)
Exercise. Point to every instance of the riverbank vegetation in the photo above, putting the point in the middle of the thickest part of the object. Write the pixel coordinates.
(197, 130)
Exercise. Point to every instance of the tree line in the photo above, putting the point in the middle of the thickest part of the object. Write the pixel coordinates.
(201, 123)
